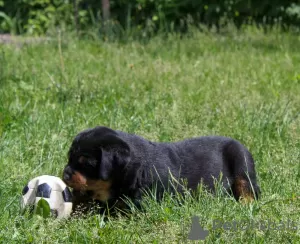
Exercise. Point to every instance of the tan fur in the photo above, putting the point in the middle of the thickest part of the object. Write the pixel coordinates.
(78, 181)
(100, 188)
(242, 190)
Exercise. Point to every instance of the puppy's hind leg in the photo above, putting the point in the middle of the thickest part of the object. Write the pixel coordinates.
(244, 189)
(241, 165)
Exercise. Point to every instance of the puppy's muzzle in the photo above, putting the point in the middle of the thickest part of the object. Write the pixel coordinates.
(74, 179)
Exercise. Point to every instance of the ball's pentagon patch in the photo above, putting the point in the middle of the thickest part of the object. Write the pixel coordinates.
(25, 190)
(67, 195)
(43, 190)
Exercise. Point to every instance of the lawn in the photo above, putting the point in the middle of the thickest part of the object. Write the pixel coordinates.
(246, 86)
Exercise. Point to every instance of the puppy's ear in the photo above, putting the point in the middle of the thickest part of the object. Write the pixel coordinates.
(118, 147)
(115, 153)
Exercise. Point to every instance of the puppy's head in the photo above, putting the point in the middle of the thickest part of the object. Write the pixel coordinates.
(95, 157)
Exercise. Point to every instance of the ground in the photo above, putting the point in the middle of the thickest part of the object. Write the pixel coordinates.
(243, 85)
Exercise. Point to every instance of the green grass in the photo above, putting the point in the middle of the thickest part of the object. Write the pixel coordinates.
(246, 86)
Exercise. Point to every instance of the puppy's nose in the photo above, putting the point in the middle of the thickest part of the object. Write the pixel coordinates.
(67, 175)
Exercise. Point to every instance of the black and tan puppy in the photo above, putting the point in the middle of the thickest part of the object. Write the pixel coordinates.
(107, 165)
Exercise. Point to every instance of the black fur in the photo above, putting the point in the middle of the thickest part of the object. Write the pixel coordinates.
(134, 164)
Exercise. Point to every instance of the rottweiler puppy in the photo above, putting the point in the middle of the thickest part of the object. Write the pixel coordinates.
(107, 165)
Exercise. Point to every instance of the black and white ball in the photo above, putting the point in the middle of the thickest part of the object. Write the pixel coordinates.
(53, 190)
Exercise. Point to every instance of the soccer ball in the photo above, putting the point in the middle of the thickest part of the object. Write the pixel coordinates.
(48, 193)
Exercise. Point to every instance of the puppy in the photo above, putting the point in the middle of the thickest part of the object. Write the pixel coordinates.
(107, 165)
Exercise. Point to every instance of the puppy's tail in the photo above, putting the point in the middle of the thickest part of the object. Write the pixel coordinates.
(241, 165)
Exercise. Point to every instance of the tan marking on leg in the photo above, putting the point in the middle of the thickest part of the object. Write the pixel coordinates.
(242, 190)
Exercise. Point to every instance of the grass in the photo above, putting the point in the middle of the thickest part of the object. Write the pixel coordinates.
(245, 86)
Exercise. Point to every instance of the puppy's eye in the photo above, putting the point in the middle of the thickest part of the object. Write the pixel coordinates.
(82, 159)
(86, 161)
